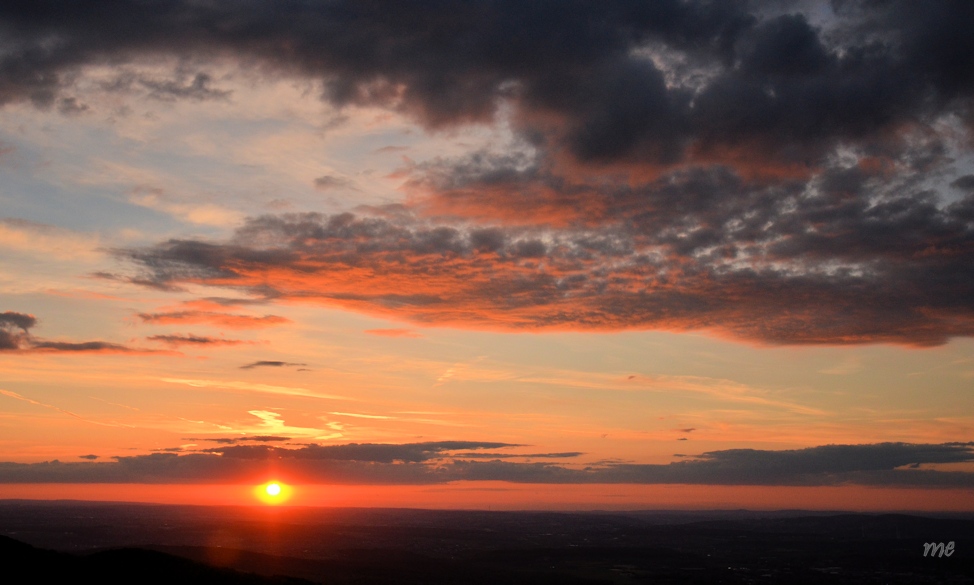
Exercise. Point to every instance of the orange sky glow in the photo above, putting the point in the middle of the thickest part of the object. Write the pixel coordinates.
(505, 496)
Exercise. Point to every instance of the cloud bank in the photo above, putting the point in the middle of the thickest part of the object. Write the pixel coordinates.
(883, 464)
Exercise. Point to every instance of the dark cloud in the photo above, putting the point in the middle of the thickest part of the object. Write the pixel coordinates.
(884, 464)
(83, 346)
(19, 320)
(269, 364)
(234, 440)
(327, 182)
(565, 455)
(15, 336)
(625, 79)
(88, 457)
(177, 340)
(183, 85)
(365, 452)
(214, 318)
(10, 323)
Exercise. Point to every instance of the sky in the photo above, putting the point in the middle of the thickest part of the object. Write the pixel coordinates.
(614, 254)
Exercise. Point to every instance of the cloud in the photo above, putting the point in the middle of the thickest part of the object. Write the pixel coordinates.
(10, 321)
(882, 464)
(390, 149)
(235, 440)
(564, 455)
(228, 320)
(22, 341)
(88, 457)
(183, 85)
(22, 398)
(177, 340)
(328, 182)
(269, 364)
(639, 81)
(252, 387)
(759, 170)
(894, 272)
(85, 346)
(364, 452)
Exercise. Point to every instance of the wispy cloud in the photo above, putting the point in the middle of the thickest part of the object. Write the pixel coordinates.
(193, 340)
(17, 396)
(228, 320)
(253, 387)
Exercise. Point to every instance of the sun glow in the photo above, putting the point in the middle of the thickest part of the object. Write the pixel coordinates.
(273, 492)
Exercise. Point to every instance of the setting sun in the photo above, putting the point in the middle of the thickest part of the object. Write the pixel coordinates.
(273, 492)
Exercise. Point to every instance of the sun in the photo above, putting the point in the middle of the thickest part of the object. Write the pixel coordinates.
(273, 492)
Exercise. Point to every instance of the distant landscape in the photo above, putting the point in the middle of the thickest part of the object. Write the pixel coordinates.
(119, 542)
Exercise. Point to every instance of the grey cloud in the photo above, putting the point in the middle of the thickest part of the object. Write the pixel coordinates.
(13, 340)
(757, 77)
(367, 452)
(881, 465)
(201, 340)
(235, 440)
(70, 106)
(20, 320)
(327, 182)
(269, 364)
(194, 87)
(965, 183)
(10, 321)
(564, 455)
(83, 346)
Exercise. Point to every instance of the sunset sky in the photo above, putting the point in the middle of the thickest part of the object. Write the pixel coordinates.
(489, 253)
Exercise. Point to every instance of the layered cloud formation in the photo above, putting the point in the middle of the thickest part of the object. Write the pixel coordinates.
(783, 172)
(887, 464)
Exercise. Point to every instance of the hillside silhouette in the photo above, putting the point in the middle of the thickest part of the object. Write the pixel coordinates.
(34, 565)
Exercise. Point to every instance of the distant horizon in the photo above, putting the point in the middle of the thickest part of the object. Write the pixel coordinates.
(502, 496)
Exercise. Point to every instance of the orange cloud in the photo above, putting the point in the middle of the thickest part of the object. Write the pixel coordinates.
(197, 340)
(571, 279)
(228, 320)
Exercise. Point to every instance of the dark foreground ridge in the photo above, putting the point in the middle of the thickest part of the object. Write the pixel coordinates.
(26, 564)
(187, 544)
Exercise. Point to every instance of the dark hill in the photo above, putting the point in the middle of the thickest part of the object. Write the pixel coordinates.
(25, 564)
